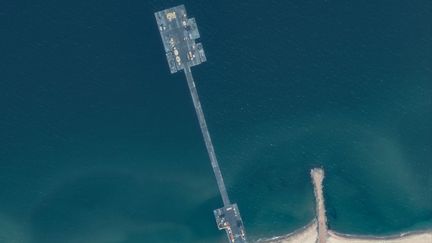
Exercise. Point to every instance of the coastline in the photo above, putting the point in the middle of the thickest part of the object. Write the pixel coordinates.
(306, 234)
(317, 230)
(411, 236)
(407, 237)
(309, 234)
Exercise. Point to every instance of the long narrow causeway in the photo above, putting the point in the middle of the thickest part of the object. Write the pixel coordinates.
(207, 138)
(178, 37)
(317, 175)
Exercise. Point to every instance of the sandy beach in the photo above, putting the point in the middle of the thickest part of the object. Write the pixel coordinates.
(309, 234)
(317, 231)
(420, 237)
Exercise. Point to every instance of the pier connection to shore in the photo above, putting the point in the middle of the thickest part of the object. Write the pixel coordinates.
(178, 35)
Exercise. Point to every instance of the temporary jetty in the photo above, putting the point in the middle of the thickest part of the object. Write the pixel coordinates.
(178, 33)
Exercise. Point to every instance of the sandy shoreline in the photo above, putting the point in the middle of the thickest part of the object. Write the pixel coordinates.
(309, 234)
(410, 237)
(317, 231)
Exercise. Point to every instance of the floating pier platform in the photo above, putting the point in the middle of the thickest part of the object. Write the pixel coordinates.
(178, 37)
(178, 33)
(229, 219)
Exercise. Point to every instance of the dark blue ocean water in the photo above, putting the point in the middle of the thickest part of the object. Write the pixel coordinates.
(100, 144)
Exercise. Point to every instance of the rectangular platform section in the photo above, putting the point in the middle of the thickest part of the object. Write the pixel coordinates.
(178, 36)
(229, 219)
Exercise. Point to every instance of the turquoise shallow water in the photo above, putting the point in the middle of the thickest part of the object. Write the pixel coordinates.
(99, 143)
